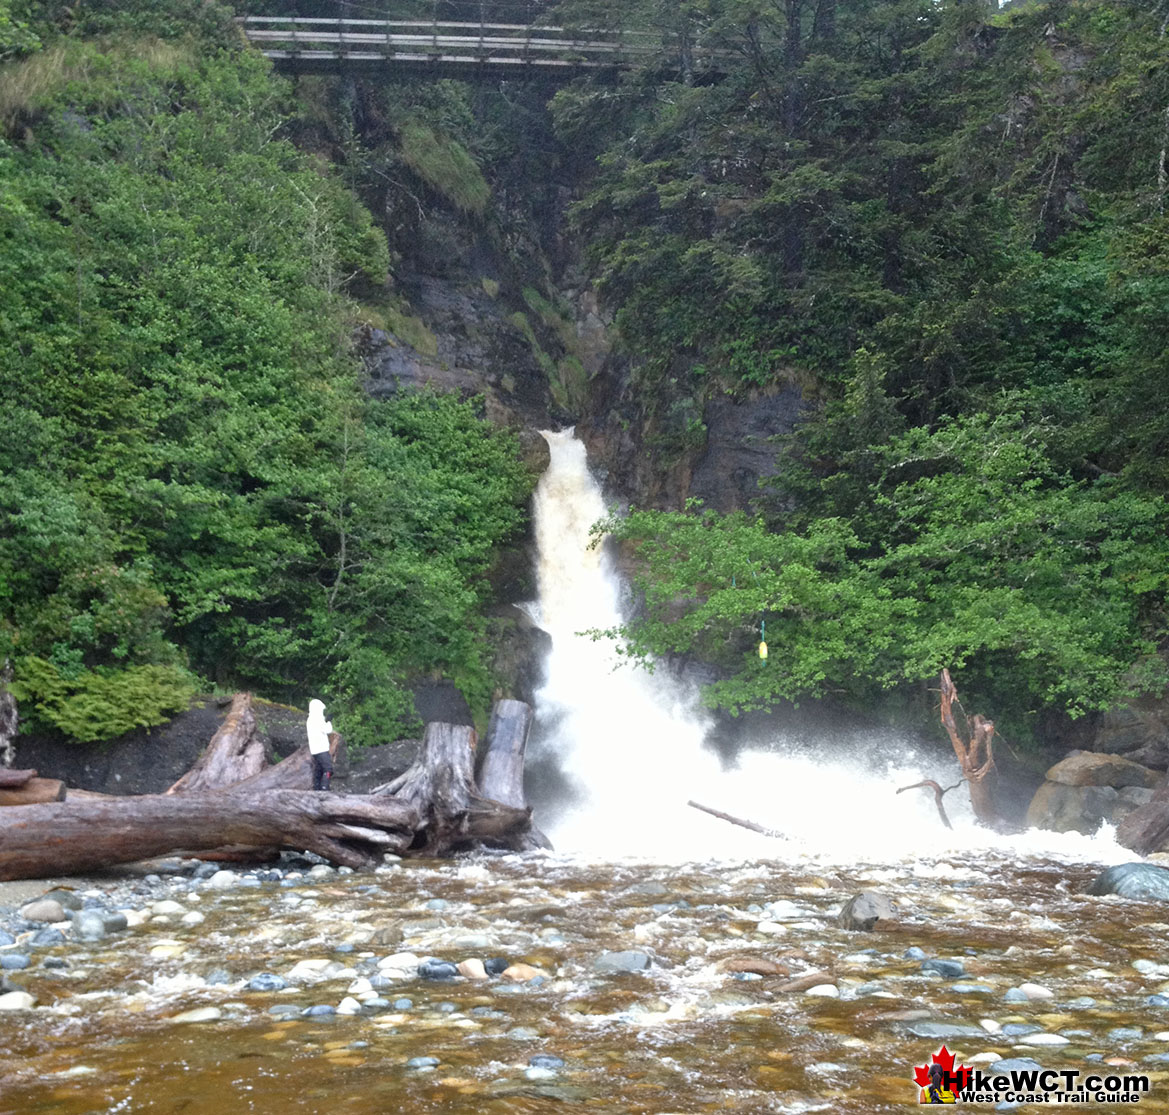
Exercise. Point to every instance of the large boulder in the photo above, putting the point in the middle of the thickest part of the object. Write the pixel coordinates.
(1133, 880)
(862, 911)
(1063, 808)
(1138, 730)
(1084, 790)
(1084, 768)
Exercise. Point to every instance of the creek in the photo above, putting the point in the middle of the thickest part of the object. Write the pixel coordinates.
(674, 963)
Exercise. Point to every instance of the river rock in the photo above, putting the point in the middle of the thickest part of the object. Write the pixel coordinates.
(546, 1061)
(947, 969)
(422, 1064)
(48, 937)
(266, 981)
(14, 961)
(437, 970)
(1086, 768)
(199, 1014)
(1060, 807)
(1035, 991)
(629, 960)
(17, 1000)
(521, 973)
(472, 969)
(862, 911)
(1133, 880)
(944, 1030)
(222, 880)
(43, 909)
(756, 965)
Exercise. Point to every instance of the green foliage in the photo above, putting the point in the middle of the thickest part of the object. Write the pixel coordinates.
(190, 473)
(445, 165)
(978, 556)
(89, 705)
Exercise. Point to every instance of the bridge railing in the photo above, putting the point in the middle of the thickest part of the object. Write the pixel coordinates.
(290, 38)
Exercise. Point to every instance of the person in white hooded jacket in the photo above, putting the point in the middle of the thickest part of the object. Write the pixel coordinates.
(318, 729)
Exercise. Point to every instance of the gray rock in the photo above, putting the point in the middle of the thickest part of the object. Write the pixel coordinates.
(437, 970)
(266, 981)
(1015, 995)
(945, 1030)
(6, 938)
(43, 909)
(422, 1063)
(282, 1009)
(48, 937)
(14, 961)
(914, 953)
(1016, 1064)
(1133, 880)
(947, 969)
(320, 1010)
(629, 960)
(403, 1004)
(1020, 1029)
(862, 911)
(1124, 1033)
(546, 1061)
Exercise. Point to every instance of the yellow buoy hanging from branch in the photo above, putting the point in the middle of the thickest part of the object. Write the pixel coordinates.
(763, 651)
(763, 640)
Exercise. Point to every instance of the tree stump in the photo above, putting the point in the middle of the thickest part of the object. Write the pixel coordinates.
(234, 753)
(441, 786)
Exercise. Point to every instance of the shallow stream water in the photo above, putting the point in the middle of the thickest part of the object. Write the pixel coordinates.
(747, 996)
(685, 1035)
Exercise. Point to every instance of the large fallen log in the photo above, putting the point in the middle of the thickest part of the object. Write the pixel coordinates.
(42, 840)
(234, 753)
(454, 814)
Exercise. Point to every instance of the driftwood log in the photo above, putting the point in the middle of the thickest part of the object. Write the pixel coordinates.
(41, 840)
(234, 753)
(434, 808)
(501, 763)
(974, 751)
(454, 814)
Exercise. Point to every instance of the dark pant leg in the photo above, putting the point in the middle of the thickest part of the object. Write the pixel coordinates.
(322, 770)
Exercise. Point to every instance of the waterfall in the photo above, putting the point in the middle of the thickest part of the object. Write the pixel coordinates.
(630, 745)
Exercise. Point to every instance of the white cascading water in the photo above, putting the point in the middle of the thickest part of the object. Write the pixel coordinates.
(631, 743)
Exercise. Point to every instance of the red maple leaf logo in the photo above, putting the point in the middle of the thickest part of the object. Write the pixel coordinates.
(943, 1057)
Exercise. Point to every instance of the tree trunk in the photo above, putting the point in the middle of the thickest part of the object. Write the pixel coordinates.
(234, 753)
(975, 754)
(42, 840)
(33, 792)
(501, 762)
(9, 720)
(441, 786)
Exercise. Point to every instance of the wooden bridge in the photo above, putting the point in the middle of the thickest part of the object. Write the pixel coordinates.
(465, 50)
